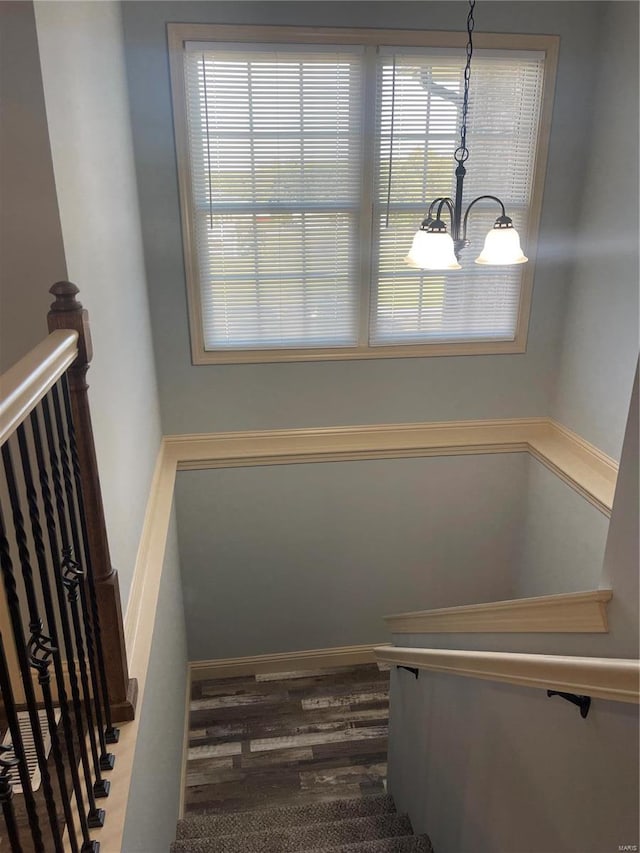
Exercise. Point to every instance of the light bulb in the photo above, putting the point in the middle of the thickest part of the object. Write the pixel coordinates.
(502, 245)
(432, 250)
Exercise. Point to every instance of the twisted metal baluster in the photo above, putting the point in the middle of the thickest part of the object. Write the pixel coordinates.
(7, 764)
(111, 733)
(10, 707)
(68, 572)
(42, 654)
(80, 614)
(35, 627)
(45, 490)
(6, 797)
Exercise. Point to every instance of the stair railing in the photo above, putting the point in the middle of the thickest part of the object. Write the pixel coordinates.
(62, 652)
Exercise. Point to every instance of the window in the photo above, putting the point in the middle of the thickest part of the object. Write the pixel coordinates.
(308, 160)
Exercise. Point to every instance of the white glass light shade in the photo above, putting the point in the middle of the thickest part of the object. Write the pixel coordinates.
(502, 247)
(432, 251)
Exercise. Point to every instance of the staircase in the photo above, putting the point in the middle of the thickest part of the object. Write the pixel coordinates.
(339, 826)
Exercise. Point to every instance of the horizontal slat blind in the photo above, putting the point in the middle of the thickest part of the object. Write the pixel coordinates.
(422, 91)
(275, 145)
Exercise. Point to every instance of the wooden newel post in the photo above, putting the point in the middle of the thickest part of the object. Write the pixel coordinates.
(67, 313)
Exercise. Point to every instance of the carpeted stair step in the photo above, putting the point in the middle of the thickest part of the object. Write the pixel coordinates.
(297, 838)
(212, 825)
(399, 844)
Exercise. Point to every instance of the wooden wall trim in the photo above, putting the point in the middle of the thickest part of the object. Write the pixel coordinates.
(581, 465)
(185, 745)
(282, 662)
(616, 679)
(575, 612)
(335, 444)
(139, 623)
(150, 556)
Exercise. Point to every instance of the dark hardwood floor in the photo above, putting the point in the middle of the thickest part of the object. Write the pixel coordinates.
(287, 738)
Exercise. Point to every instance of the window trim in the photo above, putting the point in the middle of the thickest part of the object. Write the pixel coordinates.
(178, 34)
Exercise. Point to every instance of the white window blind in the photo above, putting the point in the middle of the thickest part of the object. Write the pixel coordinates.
(420, 100)
(275, 155)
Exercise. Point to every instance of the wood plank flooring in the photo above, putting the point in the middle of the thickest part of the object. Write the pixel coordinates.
(287, 738)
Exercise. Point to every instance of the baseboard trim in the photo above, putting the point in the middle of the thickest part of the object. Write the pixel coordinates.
(185, 745)
(313, 659)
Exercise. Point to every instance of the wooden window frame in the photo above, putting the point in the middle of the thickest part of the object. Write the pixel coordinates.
(179, 34)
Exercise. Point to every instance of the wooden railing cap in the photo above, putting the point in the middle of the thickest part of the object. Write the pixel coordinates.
(66, 312)
(65, 293)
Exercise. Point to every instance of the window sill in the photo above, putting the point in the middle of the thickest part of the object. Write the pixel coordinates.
(201, 356)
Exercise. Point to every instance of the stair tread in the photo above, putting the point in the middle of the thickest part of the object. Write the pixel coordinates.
(207, 824)
(398, 844)
(297, 838)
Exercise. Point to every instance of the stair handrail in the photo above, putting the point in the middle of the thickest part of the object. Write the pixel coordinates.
(616, 679)
(24, 384)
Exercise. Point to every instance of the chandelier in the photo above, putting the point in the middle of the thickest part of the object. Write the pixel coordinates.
(434, 248)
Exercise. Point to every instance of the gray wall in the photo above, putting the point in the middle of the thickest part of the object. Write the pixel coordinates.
(209, 398)
(31, 251)
(82, 57)
(275, 557)
(563, 538)
(556, 782)
(298, 557)
(491, 768)
(152, 812)
(600, 342)
(621, 556)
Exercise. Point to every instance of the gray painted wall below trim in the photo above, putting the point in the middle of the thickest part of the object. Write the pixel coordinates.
(298, 557)
(563, 538)
(488, 767)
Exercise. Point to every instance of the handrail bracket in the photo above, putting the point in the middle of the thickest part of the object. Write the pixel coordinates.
(412, 669)
(583, 702)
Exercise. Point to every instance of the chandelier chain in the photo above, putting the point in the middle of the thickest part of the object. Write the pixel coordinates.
(462, 153)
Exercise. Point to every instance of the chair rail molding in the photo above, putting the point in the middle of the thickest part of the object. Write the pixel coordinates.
(573, 612)
(617, 679)
(581, 465)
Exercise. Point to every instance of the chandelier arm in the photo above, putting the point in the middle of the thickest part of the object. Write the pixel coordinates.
(448, 203)
(432, 206)
(468, 211)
